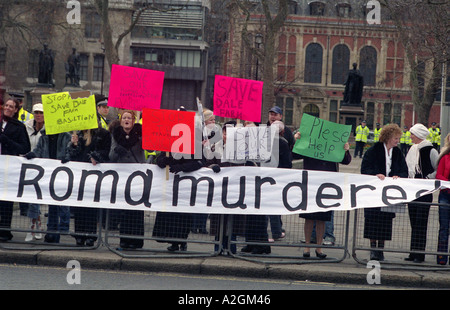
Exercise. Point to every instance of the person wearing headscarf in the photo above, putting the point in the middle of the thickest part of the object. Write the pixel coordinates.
(422, 160)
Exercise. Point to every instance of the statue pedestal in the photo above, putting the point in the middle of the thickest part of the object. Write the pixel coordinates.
(351, 115)
(39, 91)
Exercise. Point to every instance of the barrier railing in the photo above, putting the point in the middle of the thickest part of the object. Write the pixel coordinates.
(414, 238)
(163, 234)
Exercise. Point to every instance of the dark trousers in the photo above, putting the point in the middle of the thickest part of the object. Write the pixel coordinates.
(418, 217)
(85, 221)
(359, 148)
(6, 212)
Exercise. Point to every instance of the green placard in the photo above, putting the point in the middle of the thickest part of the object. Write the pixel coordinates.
(64, 114)
(322, 139)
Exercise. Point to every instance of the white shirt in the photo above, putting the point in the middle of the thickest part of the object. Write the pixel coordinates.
(388, 155)
(3, 128)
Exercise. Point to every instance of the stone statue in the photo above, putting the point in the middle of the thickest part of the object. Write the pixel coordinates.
(73, 68)
(353, 87)
(46, 65)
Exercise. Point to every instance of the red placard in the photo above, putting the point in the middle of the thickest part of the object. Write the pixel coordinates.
(135, 88)
(238, 98)
(168, 131)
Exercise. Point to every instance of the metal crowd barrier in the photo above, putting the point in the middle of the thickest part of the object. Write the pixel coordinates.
(50, 236)
(404, 243)
(150, 234)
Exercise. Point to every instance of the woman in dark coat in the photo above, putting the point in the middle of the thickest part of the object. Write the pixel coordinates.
(319, 218)
(175, 225)
(13, 141)
(126, 147)
(92, 146)
(382, 160)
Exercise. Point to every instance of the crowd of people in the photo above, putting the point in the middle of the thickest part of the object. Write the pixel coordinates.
(120, 141)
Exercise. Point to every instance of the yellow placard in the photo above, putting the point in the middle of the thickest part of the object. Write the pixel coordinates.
(64, 114)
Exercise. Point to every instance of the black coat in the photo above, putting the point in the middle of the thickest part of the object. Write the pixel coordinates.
(14, 138)
(374, 162)
(378, 224)
(98, 149)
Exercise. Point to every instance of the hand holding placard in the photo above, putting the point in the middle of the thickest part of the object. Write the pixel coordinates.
(322, 139)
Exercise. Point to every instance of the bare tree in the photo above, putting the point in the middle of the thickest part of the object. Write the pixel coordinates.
(423, 28)
(273, 15)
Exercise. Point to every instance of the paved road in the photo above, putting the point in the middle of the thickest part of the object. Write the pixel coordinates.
(51, 278)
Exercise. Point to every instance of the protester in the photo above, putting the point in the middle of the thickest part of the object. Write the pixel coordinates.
(318, 218)
(126, 147)
(443, 173)
(91, 146)
(382, 160)
(34, 127)
(422, 163)
(362, 132)
(13, 141)
(276, 114)
(53, 147)
(238, 221)
(284, 159)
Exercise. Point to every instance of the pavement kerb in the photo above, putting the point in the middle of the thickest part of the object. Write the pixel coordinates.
(342, 273)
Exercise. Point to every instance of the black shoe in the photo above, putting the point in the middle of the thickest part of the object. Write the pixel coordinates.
(261, 249)
(5, 236)
(80, 241)
(174, 247)
(306, 254)
(410, 258)
(90, 242)
(247, 249)
(183, 246)
(320, 255)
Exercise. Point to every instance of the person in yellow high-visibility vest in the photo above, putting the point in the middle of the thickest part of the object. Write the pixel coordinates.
(22, 114)
(435, 136)
(376, 133)
(362, 132)
(405, 141)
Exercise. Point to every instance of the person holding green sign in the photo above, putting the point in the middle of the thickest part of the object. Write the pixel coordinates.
(319, 218)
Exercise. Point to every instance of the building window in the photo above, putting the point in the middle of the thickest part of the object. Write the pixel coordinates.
(317, 8)
(2, 60)
(343, 9)
(84, 62)
(392, 113)
(287, 105)
(333, 115)
(313, 63)
(168, 57)
(33, 63)
(98, 67)
(370, 114)
(312, 109)
(341, 64)
(368, 65)
(287, 54)
(92, 26)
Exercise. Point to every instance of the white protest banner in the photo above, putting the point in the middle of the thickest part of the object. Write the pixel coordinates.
(234, 190)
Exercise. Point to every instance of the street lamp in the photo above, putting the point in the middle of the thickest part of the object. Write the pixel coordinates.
(258, 42)
(103, 66)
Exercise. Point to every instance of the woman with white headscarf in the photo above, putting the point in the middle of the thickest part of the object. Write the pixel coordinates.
(422, 161)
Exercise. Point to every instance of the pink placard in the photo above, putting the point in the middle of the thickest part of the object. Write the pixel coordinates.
(135, 88)
(238, 98)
